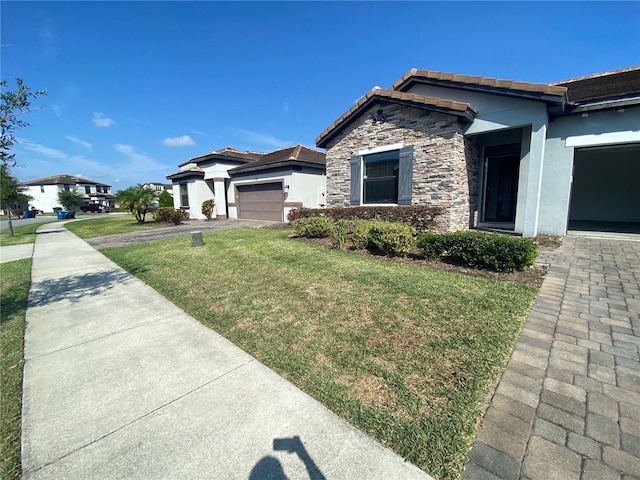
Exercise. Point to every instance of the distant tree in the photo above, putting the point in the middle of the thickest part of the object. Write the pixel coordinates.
(70, 199)
(165, 200)
(136, 199)
(14, 104)
(11, 195)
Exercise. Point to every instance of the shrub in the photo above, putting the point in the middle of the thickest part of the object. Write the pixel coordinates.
(170, 215)
(360, 233)
(422, 218)
(313, 227)
(207, 208)
(490, 251)
(340, 233)
(392, 238)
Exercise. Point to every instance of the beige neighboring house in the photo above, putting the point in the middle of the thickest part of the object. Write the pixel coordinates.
(44, 191)
(251, 185)
(523, 157)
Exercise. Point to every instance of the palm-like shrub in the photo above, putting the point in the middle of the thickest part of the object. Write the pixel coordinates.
(136, 199)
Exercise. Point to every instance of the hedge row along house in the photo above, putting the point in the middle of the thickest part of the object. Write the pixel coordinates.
(511, 156)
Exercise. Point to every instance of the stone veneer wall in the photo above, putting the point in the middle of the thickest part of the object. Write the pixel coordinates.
(445, 165)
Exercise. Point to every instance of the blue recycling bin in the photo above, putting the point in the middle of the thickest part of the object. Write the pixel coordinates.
(25, 214)
(63, 215)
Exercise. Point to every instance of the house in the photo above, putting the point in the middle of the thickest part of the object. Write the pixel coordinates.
(160, 187)
(44, 191)
(498, 154)
(251, 185)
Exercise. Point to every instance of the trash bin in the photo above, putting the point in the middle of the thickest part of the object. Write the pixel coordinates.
(32, 214)
(25, 214)
(60, 214)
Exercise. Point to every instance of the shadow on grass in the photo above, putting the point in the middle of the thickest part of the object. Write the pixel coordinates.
(76, 288)
(14, 300)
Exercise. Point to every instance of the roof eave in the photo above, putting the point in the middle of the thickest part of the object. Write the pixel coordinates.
(269, 166)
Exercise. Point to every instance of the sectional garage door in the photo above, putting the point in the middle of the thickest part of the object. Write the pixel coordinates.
(261, 201)
(605, 195)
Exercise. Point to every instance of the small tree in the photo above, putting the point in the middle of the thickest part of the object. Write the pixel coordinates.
(10, 194)
(70, 199)
(207, 208)
(137, 199)
(165, 200)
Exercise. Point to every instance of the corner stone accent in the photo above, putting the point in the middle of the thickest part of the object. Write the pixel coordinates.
(445, 163)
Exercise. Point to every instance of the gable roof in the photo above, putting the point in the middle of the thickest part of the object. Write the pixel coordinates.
(62, 179)
(537, 91)
(196, 172)
(295, 155)
(226, 153)
(460, 109)
(609, 85)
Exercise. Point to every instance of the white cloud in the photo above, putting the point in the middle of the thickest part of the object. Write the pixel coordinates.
(261, 141)
(99, 120)
(131, 153)
(41, 149)
(78, 141)
(182, 141)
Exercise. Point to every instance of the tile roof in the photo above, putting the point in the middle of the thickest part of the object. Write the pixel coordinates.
(62, 179)
(198, 171)
(602, 86)
(226, 152)
(485, 83)
(453, 107)
(296, 154)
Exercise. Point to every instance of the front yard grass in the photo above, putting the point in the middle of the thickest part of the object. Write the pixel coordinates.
(404, 353)
(14, 292)
(22, 233)
(111, 225)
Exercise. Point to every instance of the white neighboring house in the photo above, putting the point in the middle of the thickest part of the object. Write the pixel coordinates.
(44, 191)
(160, 187)
(251, 185)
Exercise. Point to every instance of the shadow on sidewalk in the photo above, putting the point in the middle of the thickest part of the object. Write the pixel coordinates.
(270, 468)
(75, 288)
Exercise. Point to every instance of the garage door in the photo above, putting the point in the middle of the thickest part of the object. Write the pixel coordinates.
(262, 201)
(605, 195)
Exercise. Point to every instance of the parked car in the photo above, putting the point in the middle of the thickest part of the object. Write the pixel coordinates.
(92, 207)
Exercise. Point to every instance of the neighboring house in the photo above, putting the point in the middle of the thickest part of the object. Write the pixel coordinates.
(160, 187)
(251, 185)
(515, 156)
(44, 191)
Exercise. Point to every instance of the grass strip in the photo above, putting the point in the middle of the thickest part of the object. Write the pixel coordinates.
(110, 225)
(22, 234)
(14, 292)
(404, 353)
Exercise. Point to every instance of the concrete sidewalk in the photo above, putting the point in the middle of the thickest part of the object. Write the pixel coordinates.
(120, 383)
(11, 253)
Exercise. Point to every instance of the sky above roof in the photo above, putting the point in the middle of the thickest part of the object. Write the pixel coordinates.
(136, 88)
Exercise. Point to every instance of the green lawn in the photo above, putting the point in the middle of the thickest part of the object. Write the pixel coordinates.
(110, 225)
(404, 353)
(15, 280)
(22, 233)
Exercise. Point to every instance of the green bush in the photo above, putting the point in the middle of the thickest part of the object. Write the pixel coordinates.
(360, 233)
(489, 251)
(341, 233)
(392, 238)
(207, 208)
(170, 215)
(313, 227)
(423, 218)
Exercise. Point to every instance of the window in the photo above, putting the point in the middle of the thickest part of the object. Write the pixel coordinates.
(87, 189)
(184, 195)
(380, 179)
(67, 187)
(41, 188)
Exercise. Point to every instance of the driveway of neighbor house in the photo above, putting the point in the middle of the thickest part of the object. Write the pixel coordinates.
(568, 404)
(121, 383)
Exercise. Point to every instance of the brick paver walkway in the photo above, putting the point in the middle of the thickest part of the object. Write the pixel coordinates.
(568, 404)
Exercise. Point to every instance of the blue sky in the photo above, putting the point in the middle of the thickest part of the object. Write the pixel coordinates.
(135, 88)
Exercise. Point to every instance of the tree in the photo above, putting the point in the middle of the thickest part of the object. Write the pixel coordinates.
(70, 199)
(14, 104)
(165, 200)
(11, 195)
(136, 199)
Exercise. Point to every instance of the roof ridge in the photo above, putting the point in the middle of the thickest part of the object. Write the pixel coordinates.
(597, 75)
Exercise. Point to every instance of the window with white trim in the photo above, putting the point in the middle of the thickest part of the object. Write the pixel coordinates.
(380, 177)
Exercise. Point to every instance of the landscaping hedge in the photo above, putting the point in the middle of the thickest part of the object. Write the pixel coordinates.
(313, 227)
(489, 251)
(170, 215)
(422, 218)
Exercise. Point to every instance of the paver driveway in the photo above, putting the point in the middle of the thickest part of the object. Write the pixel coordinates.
(568, 404)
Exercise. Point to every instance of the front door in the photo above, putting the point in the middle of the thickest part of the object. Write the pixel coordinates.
(501, 189)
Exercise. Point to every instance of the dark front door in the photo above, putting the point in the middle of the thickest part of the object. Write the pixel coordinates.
(501, 188)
